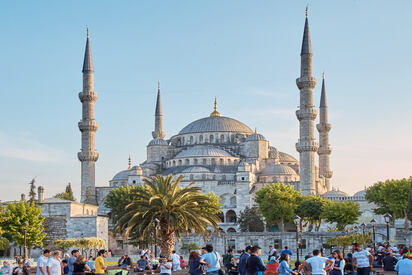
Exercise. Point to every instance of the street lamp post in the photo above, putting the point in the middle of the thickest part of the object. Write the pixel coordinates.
(373, 223)
(25, 224)
(296, 219)
(387, 218)
(363, 226)
(155, 223)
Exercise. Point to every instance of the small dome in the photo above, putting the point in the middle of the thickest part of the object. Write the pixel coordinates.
(216, 124)
(360, 194)
(203, 151)
(196, 169)
(158, 141)
(283, 157)
(122, 175)
(255, 137)
(334, 194)
(278, 169)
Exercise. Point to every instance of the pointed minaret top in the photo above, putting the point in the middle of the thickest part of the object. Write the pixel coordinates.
(158, 111)
(323, 102)
(87, 63)
(306, 44)
(215, 112)
(130, 163)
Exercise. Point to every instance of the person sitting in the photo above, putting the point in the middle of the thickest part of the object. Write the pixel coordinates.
(80, 266)
(142, 264)
(21, 269)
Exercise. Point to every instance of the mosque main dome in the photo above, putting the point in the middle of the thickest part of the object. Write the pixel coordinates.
(216, 124)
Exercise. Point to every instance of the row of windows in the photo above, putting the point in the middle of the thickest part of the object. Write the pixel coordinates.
(204, 161)
(212, 138)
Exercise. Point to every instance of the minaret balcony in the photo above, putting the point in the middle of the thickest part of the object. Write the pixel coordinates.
(88, 96)
(307, 146)
(306, 82)
(88, 125)
(323, 127)
(327, 174)
(324, 150)
(306, 114)
(88, 156)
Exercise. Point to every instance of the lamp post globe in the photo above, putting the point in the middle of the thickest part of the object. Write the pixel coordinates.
(387, 218)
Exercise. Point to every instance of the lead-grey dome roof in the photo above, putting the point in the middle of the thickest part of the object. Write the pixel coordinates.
(196, 169)
(216, 124)
(278, 169)
(158, 141)
(335, 193)
(255, 137)
(122, 175)
(203, 151)
(283, 157)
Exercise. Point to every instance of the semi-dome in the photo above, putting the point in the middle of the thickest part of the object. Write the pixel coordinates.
(203, 151)
(255, 137)
(122, 175)
(335, 193)
(196, 169)
(158, 141)
(283, 157)
(361, 193)
(216, 124)
(278, 169)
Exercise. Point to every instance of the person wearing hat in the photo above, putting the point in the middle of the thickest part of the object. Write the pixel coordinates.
(404, 266)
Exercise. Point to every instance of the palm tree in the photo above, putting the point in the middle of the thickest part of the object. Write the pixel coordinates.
(179, 210)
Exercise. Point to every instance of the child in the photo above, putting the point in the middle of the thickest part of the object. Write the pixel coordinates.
(65, 267)
(182, 262)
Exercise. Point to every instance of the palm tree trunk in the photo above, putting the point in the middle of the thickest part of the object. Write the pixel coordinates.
(168, 239)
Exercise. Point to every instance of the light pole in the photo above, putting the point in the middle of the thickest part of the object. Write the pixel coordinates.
(155, 223)
(373, 223)
(387, 218)
(363, 226)
(25, 224)
(296, 220)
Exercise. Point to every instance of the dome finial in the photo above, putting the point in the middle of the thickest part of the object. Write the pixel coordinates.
(306, 11)
(130, 163)
(215, 112)
(158, 85)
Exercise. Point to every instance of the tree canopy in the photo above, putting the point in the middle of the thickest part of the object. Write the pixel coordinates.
(250, 220)
(180, 210)
(311, 209)
(278, 202)
(15, 215)
(67, 194)
(342, 213)
(391, 196)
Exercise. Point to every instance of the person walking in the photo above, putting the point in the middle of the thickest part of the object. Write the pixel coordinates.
(404, 266)
(54, 266)
(287, 251)
(242, 260)
(213, 259)
(254, 264)
(339, 264)
(75, 253)
(318, 263)
(362, 260)
(99, 262)
(80, 266)
(196, 263)
(175, 261)
(42, 263)
(284, 268)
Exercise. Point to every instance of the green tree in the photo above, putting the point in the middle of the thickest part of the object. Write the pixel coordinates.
(311, 208)
(250, 220)
(4, 243)
(23, 211)
(391, 197)
(119, 198)
(189, 247)
(342, 213)
(32, 192)
(278, 202)
(180, 210)
(67, 194)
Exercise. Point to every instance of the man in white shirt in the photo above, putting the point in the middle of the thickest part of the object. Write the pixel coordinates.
(42, 262)
(175, 261)
(318, 263)
(362, 260)
(54, 266)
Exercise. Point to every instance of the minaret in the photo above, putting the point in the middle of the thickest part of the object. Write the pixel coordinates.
(323, 129)
(306, 145)
(158, 132)
(88, 127)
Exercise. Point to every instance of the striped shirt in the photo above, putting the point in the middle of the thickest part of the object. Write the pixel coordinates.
(362, 258)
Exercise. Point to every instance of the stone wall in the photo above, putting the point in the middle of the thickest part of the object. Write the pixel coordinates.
(55, 227)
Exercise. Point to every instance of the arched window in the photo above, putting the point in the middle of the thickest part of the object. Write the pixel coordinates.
(231, 229)
(191, 177)
(224, 177)
(174, 163)
(195, 161)
(203, 176)
(213, 161)
(191, 139)
(200, 139)
(222, 161)
(229, 162)
(222, 138)
(87, 211)
(204, 161)
(221, 217)
(187, 161)
(180, 162)
(211, 138)
(230, 216)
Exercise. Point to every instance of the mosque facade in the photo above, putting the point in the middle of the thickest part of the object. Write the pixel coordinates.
(219, 153)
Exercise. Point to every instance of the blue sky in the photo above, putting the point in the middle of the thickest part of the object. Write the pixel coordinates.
(244, 52)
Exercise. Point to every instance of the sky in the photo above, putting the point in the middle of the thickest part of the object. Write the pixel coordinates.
(246, 53)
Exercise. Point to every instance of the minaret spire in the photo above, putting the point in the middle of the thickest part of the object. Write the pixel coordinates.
(88, 127)
(324, 127)
(306, 145)
(158, 132)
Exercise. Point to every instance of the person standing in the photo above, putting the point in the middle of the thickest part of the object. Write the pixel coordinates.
(75, 253)
(54, 266)
(254, 264)
(339, 264)
(213, 259)
(271, 251)
(404, 266)
(318, 263)
(284, 268)
(80, 266)
(287, 251)
(242, 260)
(175, 261)
(362, 260)
(196, 263)
(227, 260)
(99, 262)
(6, 268)
(42, 263)
(389, 262)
